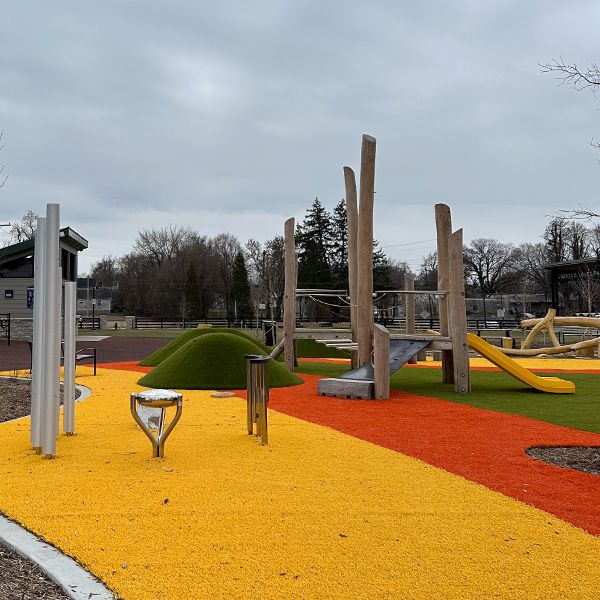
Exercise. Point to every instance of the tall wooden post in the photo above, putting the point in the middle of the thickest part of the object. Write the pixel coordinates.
(365, 251)
(409, 284)
(352, 219)
(458, 314)
(289, 296)
(443, 225)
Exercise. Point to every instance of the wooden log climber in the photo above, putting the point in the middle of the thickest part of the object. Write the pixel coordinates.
(381, 362)
(352, 223)
(409, 285)
(365, 251)
(443, 225)
(289, 296)
(458, 314)
(547, 323)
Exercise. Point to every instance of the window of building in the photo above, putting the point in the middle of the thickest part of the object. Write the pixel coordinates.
(17, 267)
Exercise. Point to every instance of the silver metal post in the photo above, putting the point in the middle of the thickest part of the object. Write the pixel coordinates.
(69, 359)
(37, 375)
(258, 395)
(51, 323)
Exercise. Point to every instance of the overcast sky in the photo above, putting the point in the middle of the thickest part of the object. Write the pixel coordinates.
(233, 116)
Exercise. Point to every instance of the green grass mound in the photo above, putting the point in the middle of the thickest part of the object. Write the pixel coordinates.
(308, 348)
(157, 357)
(213, 362)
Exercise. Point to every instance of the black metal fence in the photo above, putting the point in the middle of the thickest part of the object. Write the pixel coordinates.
(420, 324)
(5, 327)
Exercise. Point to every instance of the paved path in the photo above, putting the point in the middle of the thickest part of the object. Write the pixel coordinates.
(111, 349)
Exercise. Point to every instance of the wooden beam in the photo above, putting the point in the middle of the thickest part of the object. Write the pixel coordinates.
(409, 285)
(381, 361)
(352, 224)
(457, 313)
(365, 251)
(443, 225)
(289, 296)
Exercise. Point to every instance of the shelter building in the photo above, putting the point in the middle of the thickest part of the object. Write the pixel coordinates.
(16, 271)
(576, 278)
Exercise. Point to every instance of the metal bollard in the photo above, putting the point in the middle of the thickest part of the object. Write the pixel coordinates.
(257, 386)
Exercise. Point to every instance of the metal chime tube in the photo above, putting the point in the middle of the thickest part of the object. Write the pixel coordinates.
(38, 335)
(69, 359)
(51, 350)
(249, 394)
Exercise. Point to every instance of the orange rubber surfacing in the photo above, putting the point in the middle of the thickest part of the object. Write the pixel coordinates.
(483, 446)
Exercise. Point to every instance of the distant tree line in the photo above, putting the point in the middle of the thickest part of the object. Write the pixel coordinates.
(176, 271)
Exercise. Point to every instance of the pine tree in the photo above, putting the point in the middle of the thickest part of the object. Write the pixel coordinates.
(339, 246)
(191, 295)
(313, 240)
(240, 289)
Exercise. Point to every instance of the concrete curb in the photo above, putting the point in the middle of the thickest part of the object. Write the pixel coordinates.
(75, 581)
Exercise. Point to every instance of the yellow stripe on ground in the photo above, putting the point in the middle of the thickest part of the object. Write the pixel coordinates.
(316, 514)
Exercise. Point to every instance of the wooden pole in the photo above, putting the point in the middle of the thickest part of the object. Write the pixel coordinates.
(352, 219)
(381, 360)
(458, 314)
(365, 251)
(409, 284)
(443, 225)
(289, 296)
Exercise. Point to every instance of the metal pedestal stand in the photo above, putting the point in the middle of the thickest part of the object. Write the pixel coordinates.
(257, 395)
(162, 399)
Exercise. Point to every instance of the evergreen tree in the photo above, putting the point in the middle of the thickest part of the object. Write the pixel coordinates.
(192, 304)
(240, 289)
(339, 246)
(313, 240)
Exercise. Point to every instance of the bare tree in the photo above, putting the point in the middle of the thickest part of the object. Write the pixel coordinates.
(3, 175)
(587, 285)
(25, 228)
(490, 264)
(164, 244)
(580, 79)
(577, 240)
(555, 236)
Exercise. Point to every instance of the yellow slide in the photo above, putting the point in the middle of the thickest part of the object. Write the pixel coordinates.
(552, 385)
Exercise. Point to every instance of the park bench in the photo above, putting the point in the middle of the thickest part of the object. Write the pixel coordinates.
(81, 354)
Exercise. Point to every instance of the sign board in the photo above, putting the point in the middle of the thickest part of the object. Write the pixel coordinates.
(29, 297)
(9, 294)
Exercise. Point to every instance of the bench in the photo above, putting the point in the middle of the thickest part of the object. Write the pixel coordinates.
(81, 354)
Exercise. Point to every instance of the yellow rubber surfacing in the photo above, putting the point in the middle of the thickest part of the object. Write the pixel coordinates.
(316, 514)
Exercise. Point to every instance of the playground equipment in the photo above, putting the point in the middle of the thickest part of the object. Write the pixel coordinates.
(497, 356)
(547, 324)
(257, 396)
(159, 399)
(377, 352)
(45, 372)
(389, 352)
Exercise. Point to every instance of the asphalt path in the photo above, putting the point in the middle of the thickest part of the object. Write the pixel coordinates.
(111, 349)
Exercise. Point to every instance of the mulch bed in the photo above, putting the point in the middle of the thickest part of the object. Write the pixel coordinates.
(21, 579)
(582, 458)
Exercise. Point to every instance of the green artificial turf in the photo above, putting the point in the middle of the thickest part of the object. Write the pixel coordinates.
(500, 392)
(307, 348)
(213, 362)
(157, 357)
